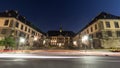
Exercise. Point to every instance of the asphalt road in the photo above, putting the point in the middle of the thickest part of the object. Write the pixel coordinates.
(80, 62)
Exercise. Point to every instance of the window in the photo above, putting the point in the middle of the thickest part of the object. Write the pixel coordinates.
(109, 33)
(91, 35)
(6, 22)
(17, 24)
(11, 23)
(3, 31)
(21, 34)
(21, 27)
(36, 34)
(100, 25)
(118, 33)
(26, 28)
(88, 31)
(91, 29)
(108, 24)
(33, 32)
(29, 30)
(95, 26)
(99, 35)
(116, 24)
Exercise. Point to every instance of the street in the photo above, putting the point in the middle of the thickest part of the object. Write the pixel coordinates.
(62, 62)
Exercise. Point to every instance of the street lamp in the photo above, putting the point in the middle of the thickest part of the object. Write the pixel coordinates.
(60, 44)
(87, 39)
(22, 40)
(75, 43)
(84, 40)
(35, 38)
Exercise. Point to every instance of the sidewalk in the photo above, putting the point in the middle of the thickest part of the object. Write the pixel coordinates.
(94, 52)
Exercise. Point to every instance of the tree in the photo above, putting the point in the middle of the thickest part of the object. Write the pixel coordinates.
(8, 42)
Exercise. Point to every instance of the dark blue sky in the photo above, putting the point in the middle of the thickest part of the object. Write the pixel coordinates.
(71, 14)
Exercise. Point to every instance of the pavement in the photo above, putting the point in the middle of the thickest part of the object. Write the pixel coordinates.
(93, 52)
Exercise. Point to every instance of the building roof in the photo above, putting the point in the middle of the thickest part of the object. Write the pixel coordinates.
(63, 33)
(15, 14)
(102, 15)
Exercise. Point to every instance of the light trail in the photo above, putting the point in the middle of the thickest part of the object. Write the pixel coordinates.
(24, 57)
(32, 56)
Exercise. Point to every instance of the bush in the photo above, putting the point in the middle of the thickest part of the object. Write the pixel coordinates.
(8, 42)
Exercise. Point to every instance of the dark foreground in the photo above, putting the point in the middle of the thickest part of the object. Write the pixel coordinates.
(81, 62)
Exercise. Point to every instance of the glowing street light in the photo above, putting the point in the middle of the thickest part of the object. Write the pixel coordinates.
(85, 38)
(22, 40)
(75, 43)
(60, 44)
(35, 38)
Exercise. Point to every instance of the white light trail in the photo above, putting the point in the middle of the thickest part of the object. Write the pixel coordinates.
(32, 56)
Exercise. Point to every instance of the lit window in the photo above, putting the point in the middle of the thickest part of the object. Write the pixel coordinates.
(116, 24)
(6, 22)
(108, 24)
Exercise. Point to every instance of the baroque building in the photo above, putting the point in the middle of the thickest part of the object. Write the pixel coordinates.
(102, 32)
(11, 23)
(60, 39)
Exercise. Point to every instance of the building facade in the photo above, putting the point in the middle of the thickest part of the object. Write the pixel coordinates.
(102, 32)
(60, 38)
(11, 23)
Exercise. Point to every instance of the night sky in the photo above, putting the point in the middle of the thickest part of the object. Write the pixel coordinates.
(71, 14)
